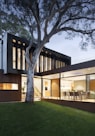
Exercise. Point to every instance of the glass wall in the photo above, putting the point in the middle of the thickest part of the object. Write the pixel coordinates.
(44, 63)
(48, 63)
(37, 88)
(19, 58)
(73, 88)
(14, 57)
(24, 84)
(37, 66)
(80, 88)
(23, 59)
(41, 63)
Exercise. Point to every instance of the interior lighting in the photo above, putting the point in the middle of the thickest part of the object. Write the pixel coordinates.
(19, 42)
(23, 44)
(14, 41)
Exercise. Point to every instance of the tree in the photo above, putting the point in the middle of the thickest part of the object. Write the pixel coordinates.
(45, 18)
(10, 23)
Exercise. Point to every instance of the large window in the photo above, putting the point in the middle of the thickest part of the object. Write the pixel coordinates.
(41, 63)
(57, 64)
(52, 63)
(74, 88)
(45, 63)
(37, 87)
(37, 66)
(62, 64)
(19, 58)
(23, 59)
(8, 86)
(48, 63)
(14, 58)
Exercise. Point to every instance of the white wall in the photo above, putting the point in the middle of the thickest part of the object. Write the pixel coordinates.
(5, 53)
(0, 55)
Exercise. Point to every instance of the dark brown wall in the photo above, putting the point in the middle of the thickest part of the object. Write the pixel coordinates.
(10, 95)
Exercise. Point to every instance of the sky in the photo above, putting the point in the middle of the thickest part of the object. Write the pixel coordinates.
(71, 48)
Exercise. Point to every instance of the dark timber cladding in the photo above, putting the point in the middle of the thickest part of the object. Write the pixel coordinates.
(7, 91)
(14, 61)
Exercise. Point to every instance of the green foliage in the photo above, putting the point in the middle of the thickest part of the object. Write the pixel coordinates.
(42, 19)
(11, 24)
(44, 119)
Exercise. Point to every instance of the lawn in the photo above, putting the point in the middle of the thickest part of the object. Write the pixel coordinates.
(44, 119)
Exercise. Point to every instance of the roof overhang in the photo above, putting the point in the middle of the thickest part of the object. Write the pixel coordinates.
(84, 68)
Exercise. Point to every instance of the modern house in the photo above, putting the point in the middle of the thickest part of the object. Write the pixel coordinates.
(13, 67)
(55, 77)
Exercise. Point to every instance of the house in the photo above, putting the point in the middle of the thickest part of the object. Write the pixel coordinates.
(13, 67)
(55, 77)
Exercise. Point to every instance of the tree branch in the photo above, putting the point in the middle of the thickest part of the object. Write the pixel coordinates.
(49, 17)
(75, 30)
(76, 18)
(27, 53)
(37, 19)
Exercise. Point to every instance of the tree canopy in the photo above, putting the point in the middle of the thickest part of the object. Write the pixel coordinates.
(44, 18)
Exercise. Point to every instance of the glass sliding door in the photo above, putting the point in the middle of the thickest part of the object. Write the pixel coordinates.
(37, 88)
(73, 88)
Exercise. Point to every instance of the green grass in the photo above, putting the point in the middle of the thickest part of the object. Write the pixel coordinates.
(44, 119)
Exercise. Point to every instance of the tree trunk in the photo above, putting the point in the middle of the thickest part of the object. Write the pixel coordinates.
(30, 86)
(30, 75)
